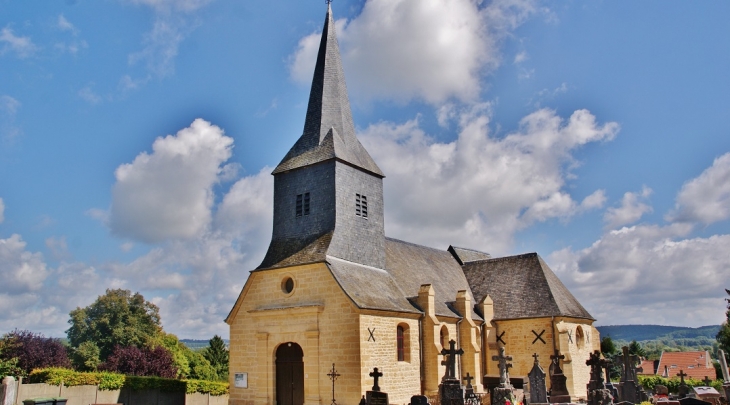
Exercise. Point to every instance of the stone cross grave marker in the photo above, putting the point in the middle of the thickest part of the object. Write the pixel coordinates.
(375, 396)
(538, 390)
(683, 389)
(504, 367)
(597, 392)
(451, 360)
(558, 387)
(376, 374)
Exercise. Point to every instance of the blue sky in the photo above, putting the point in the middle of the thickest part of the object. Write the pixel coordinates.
(137, 138)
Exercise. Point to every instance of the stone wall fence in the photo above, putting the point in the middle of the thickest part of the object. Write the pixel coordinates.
(13, 392)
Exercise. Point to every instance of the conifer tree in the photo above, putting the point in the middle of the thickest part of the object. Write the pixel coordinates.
(217, 355)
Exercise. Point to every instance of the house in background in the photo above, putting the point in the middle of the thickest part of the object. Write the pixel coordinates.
(697, 365)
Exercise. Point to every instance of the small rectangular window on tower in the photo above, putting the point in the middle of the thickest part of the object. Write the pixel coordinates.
(302, 206)
(361, 205)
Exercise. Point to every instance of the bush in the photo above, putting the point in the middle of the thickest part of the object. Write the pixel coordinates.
(131, 360)
(32, 351)
(672, 384)
(114, 381)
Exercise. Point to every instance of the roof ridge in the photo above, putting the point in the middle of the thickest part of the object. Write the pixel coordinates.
(414, 244)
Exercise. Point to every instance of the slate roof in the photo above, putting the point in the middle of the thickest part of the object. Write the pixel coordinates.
(329, 132)
(408, 266)
(296, 251)
(695, 364)
(522, 286)
(464, 255)
(413, 265)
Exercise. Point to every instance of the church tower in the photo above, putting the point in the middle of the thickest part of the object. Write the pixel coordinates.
(328, 191)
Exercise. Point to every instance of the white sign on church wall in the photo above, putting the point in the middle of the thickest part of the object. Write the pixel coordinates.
(240, 380)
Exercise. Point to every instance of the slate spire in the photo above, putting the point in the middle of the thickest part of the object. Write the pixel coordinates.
(329, 131)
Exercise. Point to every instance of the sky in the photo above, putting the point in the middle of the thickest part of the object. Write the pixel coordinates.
(137, 138)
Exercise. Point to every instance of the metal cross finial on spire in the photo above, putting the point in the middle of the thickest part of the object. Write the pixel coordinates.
(328, 2)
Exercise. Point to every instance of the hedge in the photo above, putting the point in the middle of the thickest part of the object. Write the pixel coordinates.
(672, 384)
(113, 381)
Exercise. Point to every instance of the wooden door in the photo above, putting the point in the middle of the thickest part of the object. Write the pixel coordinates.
(289, 374)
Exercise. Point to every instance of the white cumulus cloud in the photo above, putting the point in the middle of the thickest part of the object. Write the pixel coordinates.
(627, 275)
(632, 208)
(21, 271)
(479, 189)
(706, 198)
(168, 194)
(425, 49)
(23, 47)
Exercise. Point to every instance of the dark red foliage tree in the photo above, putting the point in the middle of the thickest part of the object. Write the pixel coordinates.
(132, 360)
(34, 350)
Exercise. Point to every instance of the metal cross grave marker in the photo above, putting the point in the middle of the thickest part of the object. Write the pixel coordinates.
(451, 361)
(376, 374)
(468, 379)
(707, 381)
(333, 376)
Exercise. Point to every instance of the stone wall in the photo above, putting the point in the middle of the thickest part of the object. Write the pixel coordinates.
(401, 379)
(91, 394)
(317, 315)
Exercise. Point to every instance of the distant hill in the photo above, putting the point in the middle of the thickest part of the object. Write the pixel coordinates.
(657, 332)
(196, 344)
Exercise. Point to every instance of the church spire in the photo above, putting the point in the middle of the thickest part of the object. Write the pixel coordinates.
(329, 131)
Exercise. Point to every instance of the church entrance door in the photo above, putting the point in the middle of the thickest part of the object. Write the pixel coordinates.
(289, 374)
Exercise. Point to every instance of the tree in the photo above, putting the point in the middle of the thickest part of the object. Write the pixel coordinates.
(86, 357)
(117, 318)
(607, 347)
(27, 351)
(132, 360)
(636, 349)
(217, 355)
(723, 336)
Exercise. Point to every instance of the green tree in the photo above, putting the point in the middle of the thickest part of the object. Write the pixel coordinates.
(217, 355)
(117, 318)
(723, 336)
(607, 347)
(86, 357)
(636, 349)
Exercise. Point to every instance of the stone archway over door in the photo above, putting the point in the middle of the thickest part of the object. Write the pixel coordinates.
(289, 374)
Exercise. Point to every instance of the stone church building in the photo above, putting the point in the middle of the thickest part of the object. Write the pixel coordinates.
(334, 290)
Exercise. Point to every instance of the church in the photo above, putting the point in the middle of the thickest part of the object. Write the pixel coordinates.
(333, 293)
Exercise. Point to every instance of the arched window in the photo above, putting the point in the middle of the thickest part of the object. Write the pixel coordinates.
(401, 348)
(580, 338)
(403, 345)
(443, 336)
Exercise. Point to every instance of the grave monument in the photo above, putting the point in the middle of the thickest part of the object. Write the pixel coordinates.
(598, 394)
(558, 390)
(538, 390)
(375, 396)
(504, 391)
(450, 391)
(630, 391)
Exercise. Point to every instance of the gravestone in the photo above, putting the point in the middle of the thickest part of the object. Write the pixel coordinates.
(613, 388)
(8, 391)
(725, 375)
(630, 391)
(558, 389)
(538, 390)
(597, 392)
(683, 389)
(661, 390)
(450, 391)
(375, 396)
(419, 400)
(504, 391)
